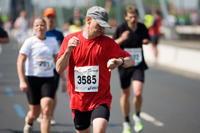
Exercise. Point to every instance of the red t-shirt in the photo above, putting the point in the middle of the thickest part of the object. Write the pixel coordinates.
(91, 52)
(155, 29)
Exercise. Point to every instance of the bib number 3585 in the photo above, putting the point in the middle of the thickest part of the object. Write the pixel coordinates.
(86, 78)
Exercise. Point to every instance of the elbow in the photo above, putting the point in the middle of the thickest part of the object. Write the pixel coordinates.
(59, 71)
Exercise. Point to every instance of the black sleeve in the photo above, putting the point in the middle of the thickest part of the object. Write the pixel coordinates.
(116, 34)
(3, 33)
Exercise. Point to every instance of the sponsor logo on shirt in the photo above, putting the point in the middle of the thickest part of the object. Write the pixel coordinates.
(79, 71)
(93, 88)
(90, 70)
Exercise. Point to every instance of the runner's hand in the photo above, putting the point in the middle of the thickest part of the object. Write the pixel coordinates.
(124, 35)
(73, 42)
(145, 41)
(23, 86)
(64, 86)
(113, 63)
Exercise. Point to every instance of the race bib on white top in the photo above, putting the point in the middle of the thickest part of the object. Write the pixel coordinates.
(136, 54)
(86, 78)
(43, 63)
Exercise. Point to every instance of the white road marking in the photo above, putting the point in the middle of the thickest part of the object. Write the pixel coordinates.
(151, 119)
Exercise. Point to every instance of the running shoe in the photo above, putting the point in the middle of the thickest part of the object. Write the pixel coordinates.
(27, 128)
(138, 123)
(126, 127)
(39, 118)
(53, 122)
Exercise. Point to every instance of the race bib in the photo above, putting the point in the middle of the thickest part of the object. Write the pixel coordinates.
(43, 63)
(86, 78)
(136, 54)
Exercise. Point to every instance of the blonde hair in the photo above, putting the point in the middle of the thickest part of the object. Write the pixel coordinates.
(132, 10)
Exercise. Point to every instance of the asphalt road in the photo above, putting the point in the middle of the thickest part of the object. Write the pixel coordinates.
(171, 101)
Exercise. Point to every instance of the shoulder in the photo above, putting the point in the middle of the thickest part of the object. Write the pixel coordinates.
(57, 30)
(76, 34)
(30, 39)
(51, 39)
(141, 25)
(107, 40)
(122, 26)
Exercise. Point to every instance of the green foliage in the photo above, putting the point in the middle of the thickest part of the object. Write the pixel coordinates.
(151, 2)
(101, 3)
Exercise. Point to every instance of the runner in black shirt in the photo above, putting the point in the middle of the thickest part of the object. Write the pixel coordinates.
(4, 39)
(130, 36)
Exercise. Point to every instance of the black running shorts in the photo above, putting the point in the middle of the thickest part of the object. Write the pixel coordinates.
(82, 119)
(126, 74)
(154, 39)
(39, 87)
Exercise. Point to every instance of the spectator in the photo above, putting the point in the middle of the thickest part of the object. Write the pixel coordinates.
(76, 22)
(21, 24)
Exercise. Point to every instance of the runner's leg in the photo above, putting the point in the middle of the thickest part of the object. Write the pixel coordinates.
(124, 101)
(155, 51)
(54, 104)
(100, 117)
(82, 121)
(84, 131)
(137, 90)
(46, 105)
(100, 125)
(33, 113)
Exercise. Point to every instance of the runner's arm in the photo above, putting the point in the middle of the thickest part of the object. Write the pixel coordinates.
(145, 41)
(20, 69)
(125, 62)
(62, 75)
(128, 62)
(16, 23)
(63, 61)
(122, 38)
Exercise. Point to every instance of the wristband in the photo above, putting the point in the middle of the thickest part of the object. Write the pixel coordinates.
(122, 61)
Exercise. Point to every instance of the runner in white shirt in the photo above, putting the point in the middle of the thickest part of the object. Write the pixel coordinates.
(40, 54)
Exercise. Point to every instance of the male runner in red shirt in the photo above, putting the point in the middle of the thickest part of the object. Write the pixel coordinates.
(89, 58)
